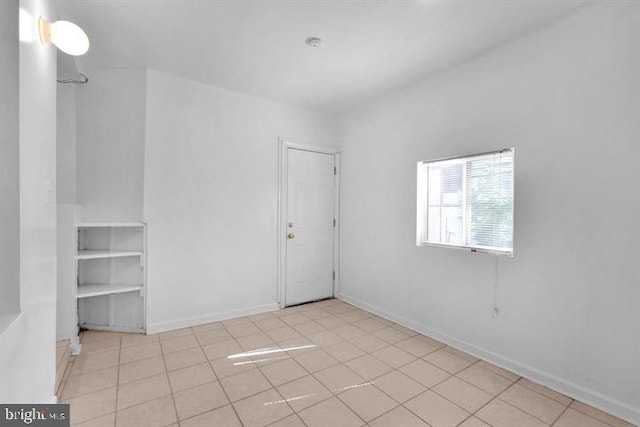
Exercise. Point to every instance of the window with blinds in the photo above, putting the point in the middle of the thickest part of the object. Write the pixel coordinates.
(467, 202)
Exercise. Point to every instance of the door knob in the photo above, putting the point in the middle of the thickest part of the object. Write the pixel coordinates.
(291, 236)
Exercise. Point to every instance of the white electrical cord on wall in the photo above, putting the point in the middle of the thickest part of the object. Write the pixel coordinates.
(494, 311)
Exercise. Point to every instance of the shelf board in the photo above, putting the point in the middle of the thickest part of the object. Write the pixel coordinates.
(109, 224)
(96, 289)
(95, 254)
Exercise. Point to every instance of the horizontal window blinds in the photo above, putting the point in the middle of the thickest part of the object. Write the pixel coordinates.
(467, 202)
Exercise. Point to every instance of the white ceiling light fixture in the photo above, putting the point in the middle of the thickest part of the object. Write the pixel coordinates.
(65, 35)
(314, 42)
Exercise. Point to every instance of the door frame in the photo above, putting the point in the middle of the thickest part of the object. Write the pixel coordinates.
(284, 144)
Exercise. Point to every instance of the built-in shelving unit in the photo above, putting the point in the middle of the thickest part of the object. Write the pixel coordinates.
(111, 277)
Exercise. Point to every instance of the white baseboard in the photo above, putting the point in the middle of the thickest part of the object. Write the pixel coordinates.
(153, 328)
(590, 397)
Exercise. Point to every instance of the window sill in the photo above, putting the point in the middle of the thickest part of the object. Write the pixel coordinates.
(478, 250)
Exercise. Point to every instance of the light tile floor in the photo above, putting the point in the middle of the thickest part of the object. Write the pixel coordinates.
(326, 364)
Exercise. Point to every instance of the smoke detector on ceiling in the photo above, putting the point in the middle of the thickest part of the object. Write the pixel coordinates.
(314, 42)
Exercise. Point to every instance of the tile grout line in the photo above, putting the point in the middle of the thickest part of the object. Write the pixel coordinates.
(166, 372)
(560, 416)
(427, 388)
(200, 346)
(280, 394)
(538, 394)
(531, 415)
(331, 394)
(95, 391)
(493, 397)
(512, 382)
(339, 361)
(235, 411)
(472, 414)
(431, 389)
(548, 397)
(338, 314)
(295, 379)
(115, 415)
(217, 380)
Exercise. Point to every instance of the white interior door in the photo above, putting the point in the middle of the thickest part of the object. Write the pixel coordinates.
(310, 214)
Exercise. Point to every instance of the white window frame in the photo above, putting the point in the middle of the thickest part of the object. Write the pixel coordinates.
(422, 205)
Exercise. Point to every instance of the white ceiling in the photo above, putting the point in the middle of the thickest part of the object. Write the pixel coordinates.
(257, 47)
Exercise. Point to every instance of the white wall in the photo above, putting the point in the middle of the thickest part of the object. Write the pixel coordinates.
(66, 200)
(27, 347)
(568, 99)
(9, 157)
(110, 123)
(210, 198)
